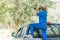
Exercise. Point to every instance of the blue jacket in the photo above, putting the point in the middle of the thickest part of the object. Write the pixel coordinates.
(42, 18)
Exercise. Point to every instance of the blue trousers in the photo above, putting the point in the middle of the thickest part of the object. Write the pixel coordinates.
(37, 26)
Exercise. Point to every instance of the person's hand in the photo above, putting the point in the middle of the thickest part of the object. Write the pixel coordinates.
(35, 14)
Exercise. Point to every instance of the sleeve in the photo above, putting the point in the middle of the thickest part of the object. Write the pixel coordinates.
(40, 13)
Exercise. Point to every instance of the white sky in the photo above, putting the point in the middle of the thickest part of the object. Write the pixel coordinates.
(56, 0)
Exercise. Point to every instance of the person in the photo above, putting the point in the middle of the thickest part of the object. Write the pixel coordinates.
(42, 25)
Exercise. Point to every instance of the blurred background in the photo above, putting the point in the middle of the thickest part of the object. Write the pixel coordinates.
(16, 13)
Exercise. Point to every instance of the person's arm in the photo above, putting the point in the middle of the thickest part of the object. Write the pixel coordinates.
(34, 13)
(36, 10)
(40, 13)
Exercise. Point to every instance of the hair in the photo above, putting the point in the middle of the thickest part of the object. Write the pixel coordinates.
(43, 7)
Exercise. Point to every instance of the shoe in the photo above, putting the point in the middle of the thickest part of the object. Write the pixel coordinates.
(29, 36)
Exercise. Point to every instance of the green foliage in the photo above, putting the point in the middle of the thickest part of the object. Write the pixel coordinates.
(11, 10)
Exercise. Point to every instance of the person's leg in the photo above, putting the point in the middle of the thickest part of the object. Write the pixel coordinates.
(31, 29)
(44, 35)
